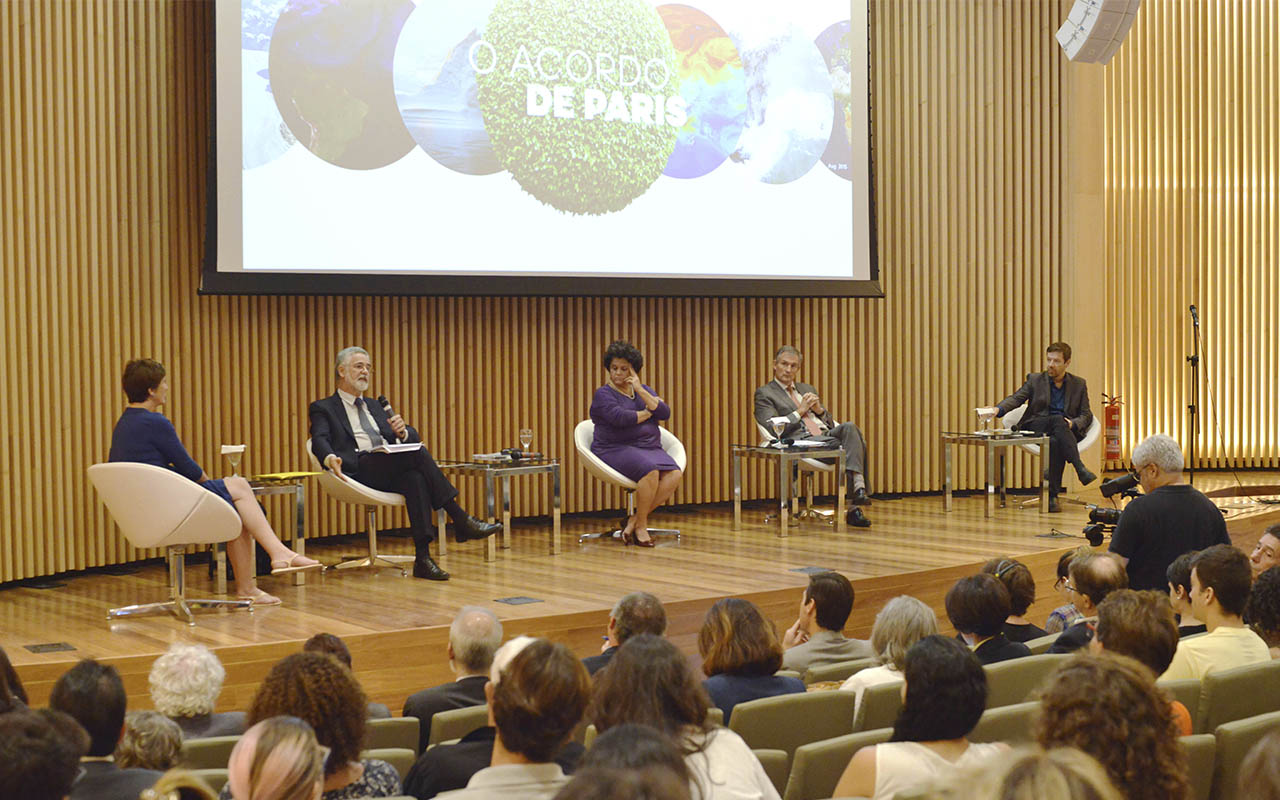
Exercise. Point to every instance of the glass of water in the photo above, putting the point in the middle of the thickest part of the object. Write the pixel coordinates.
(526, 438)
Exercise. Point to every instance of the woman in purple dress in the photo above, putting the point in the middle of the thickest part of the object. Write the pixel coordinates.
(626, 414)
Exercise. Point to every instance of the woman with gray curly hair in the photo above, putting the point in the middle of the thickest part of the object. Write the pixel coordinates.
(150, 741)
(185, 683)
(902, 622)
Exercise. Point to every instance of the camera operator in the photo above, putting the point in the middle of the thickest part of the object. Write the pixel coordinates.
(1170, 519)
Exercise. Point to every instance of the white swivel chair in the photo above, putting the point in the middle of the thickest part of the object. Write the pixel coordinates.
(350, 491)
(157, 507)
(584, 435)
(809, 468)
(1091, 436)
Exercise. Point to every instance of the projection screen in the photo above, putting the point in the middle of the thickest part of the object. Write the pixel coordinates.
(543, 147)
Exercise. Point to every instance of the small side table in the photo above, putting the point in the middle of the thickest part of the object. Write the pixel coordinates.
(786, 458)
(504, 470)
(997, 446)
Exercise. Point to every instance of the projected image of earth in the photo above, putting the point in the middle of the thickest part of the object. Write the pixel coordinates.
(837, 52)
(265, 137)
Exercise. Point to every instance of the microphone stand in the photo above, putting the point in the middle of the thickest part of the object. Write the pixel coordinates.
(1194, 361)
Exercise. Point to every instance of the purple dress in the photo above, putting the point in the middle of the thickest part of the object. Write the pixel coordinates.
(633, 449)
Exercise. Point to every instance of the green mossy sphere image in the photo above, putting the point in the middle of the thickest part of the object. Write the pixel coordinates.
(578, 165)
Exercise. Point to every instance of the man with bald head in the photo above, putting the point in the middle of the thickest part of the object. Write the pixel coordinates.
(1090, 578)
(474, 637)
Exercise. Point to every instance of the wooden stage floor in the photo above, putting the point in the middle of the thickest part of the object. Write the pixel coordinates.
(397, 627)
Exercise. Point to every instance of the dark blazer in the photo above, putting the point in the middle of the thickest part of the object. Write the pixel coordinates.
(598, 662)
(1035, 393)
(103, 780)
(331, 430)
(425, 704)
(450, 766)
(223, 723)
(1075, 637)
(772, 401)
(998, 648)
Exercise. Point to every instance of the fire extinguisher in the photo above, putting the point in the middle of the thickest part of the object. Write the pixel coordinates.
(1111, 426)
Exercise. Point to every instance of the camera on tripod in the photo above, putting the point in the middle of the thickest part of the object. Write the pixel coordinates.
(1104, 520)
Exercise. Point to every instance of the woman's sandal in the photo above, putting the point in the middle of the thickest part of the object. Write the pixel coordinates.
(260, 598)
(293, 565)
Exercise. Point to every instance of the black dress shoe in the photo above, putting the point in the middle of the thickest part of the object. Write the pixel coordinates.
(1054, 507)
(1086, 477)
(859, 497)
(424, 567)
(469, 529)
(857, 519)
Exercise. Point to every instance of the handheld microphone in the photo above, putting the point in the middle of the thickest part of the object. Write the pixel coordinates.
(386, 405)
(1195, 315)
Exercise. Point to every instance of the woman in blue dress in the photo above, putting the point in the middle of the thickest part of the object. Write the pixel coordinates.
(626, 414)
(146, 436)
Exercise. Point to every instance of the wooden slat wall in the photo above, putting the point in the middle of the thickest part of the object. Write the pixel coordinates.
(102, 135)
(1192, 216)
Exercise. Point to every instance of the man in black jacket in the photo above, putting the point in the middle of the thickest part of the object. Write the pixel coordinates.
(1057, 405)
(346, 428)
(474, 637)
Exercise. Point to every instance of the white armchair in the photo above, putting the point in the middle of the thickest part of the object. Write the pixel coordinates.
(1091, 436)
(584, 435)
(157, 507)
(350, 491)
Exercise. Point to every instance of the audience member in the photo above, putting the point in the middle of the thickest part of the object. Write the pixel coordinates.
(648, 783)
(1170, 519)
(449, 766)
(1030, 773)
(1091, 578)
(1179, 576)
(1109, 707)
(817, 636)
(150, 741)
(643, 763)
(1260, 771)
(1220, 578)
(536, 699)
(977, 607)
(93, 695)
(181, 784)
(1021, 584)
(185, 683)
(1263, 609)
(900, 624)
(328, 644)
(322, 692)
(39, 754)
(650, 683)
(277, 759)
(1065, 616)
(1140, 625)
(944, 696)
(1266, 553)
(740, 654)
(12, 695)
(474, 637)
(635, 613)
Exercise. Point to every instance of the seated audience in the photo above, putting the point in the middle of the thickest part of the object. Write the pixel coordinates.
(1260, 771)
(633, 745)
(978, 606)
(93, 695)
(39, 754)
(328, 644)
(1266, 553)
(185, 683)
(650, 683)
(1109, 707)
(474, 637)
(649, 783)
(635, 613)
(944, 696)
(323, 693)
(1179, 575)
(276, 759)
(1140, 625)
(449, 766)
(1017, 578)
(150, 741)
(1220, 577)
(740, 654)
(1029, 773)
(1263, 609)
(12, 695)
(817, 637)
(1065, 616)
(536, 700)
(181, 784)
(901, 623)
(631, 762)
(1091, 578)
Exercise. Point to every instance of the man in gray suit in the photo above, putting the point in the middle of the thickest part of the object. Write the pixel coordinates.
(817, 637)
(807, 417)
(1057, 405)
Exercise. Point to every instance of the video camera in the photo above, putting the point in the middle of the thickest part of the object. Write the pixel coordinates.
(1104, 520)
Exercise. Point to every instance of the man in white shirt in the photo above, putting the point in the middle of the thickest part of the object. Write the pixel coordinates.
(1220, 579)
(807, 417)
(346, 427)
